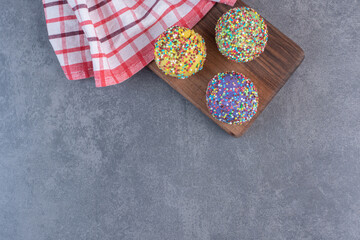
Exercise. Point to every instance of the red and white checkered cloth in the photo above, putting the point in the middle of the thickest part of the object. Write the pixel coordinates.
(114, 39)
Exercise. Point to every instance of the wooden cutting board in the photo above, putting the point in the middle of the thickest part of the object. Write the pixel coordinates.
(269, 72)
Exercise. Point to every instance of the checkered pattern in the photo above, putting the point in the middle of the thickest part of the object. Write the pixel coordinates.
(114, 39)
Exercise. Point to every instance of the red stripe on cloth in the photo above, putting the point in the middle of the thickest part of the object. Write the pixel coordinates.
(92, 39)
(106, 29)
(99, 79)
(82, 51)
(86, 22)
(77, 7)
(98, 55)
(65, 34)
(93, 8)
(63, 44)
(46, 16)
(46, 5)
(70, 50)
(59, 19)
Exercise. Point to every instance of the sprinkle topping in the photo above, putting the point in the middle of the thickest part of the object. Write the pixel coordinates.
(180, 52)
(232, 98)
(241, 34)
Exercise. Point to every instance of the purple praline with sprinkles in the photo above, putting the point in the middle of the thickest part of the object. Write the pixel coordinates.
(241, 34)
(232, 98)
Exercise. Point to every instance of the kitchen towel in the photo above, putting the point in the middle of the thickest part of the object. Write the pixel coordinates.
(112, 40)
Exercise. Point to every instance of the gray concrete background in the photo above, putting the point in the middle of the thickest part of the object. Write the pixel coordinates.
(137, 161)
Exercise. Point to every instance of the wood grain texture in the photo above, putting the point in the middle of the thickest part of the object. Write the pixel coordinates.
(269, 72)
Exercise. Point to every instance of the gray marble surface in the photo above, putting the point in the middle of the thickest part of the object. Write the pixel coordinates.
(137, 161)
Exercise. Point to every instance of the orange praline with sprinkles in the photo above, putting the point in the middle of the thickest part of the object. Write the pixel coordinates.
(180, 52)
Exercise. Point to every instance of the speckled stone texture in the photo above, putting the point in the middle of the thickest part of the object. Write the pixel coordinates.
(137, 161)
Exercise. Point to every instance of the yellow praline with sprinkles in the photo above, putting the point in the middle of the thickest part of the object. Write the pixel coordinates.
(180, 52)
(241, 34)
